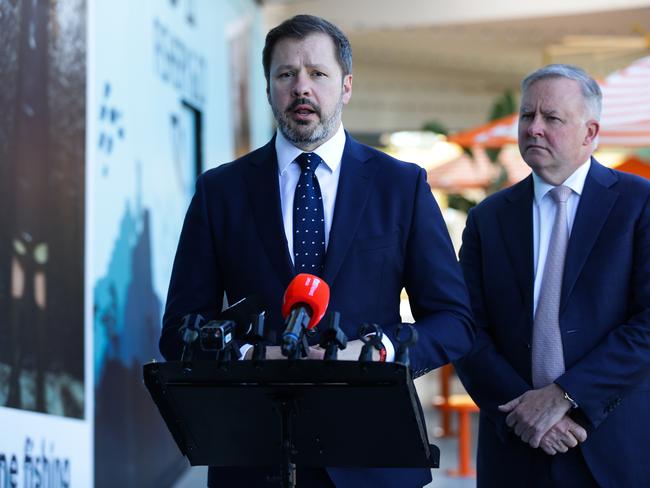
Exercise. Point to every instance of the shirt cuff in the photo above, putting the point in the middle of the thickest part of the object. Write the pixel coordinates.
(390, 349)
(244, 349)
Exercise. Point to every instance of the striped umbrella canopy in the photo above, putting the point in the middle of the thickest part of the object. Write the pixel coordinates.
(625, 120)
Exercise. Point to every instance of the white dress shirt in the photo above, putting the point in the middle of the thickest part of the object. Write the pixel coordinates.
(544, 216)
(327, 174)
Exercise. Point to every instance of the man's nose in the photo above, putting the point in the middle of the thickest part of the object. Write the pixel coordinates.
(536, 127)
(302, 85)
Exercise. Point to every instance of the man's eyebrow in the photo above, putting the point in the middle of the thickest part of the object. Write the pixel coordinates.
(283, 67)
(550, 111)
(317, 66)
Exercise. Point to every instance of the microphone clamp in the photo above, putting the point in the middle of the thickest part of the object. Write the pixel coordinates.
(403, 344)
(371, 335)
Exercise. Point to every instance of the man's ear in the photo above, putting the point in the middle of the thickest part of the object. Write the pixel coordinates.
(347, 88)
(593, 129)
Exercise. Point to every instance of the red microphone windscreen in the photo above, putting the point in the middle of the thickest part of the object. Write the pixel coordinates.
(309, 290)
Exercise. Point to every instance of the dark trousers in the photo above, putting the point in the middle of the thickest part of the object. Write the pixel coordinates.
(568, 470)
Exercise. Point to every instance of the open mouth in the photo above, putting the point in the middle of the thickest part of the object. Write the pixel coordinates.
(303, 111)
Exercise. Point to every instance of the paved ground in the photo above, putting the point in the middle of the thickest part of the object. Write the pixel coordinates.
(427, 387)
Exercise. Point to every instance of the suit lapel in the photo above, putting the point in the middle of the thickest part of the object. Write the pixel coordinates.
(516, 220)
(355, 182)
(596, 203)
(264, 196)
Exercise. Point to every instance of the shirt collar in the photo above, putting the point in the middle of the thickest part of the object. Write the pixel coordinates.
(576, 182)
(330, 151)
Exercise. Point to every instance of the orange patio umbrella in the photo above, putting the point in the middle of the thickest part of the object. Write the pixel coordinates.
(494, 134)
(635, 166)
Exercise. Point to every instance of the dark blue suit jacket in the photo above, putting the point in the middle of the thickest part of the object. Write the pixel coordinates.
(387, 233)
(604, 321)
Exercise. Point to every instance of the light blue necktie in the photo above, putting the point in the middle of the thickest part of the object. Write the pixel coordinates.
(547, 351)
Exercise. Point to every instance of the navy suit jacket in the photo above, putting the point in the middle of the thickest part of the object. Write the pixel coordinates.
(604, 322)
(387, 233)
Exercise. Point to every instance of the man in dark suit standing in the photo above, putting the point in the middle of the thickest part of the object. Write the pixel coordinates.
(558, 269)
(313, 199)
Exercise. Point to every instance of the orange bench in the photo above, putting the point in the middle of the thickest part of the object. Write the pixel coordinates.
(445, 373)
(464, 406)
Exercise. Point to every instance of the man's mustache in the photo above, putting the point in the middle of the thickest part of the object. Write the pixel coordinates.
(303, 101)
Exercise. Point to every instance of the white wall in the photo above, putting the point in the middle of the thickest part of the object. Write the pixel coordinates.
(387, 98)
(386, 14)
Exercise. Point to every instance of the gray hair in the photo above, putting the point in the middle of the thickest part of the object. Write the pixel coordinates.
(590, 90)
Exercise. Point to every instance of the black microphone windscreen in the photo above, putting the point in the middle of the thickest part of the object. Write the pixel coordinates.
(241, 313)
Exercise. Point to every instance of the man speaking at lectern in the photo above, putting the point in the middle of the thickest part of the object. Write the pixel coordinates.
(315, 200)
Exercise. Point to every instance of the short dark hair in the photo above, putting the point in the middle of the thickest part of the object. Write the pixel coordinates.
(588, 86)
(301, 26)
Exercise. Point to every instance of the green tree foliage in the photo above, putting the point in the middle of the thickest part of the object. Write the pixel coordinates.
(504, 105)
(435, 126)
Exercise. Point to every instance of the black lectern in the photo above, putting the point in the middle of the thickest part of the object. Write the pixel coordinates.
(286, 413)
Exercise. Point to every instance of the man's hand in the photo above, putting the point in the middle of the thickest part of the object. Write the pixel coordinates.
(275, 352)
(532, 414)
(350, 353)
(315, 352)
(563, 436)
(272, 352)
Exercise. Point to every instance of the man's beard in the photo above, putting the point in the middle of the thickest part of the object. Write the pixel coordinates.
(299, 133)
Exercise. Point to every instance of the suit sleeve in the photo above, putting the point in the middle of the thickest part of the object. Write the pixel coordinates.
(195, 285)
(599, 381)
(485, 372)
(435, 286)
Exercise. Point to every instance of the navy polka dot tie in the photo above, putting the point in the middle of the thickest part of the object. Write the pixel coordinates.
(308, 218)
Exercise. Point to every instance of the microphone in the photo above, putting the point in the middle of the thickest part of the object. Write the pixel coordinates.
(232, 325)
(333, 338)
(189, 331)
(303, 306)
(217, 335)
(243, 314)
(260, 338)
